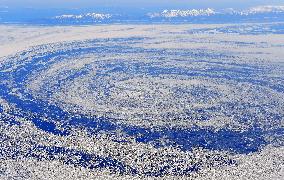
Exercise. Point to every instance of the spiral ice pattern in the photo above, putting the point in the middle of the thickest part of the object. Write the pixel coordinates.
(111, 105)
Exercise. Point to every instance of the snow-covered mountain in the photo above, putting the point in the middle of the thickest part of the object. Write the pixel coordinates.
(94, 16)
(208, 15)
(212, 12)
(266, 9)
(182, 13)
(255, 10)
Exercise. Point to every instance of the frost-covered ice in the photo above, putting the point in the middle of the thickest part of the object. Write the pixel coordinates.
(142, 101)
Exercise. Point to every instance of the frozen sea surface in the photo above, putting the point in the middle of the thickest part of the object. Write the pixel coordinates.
(142, 101)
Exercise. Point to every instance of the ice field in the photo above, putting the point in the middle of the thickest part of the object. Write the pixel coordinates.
(142, 101)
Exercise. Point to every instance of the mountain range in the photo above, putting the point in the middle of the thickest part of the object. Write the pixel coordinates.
(208, 15)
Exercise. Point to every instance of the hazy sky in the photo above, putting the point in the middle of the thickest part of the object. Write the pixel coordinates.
(138, 3)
